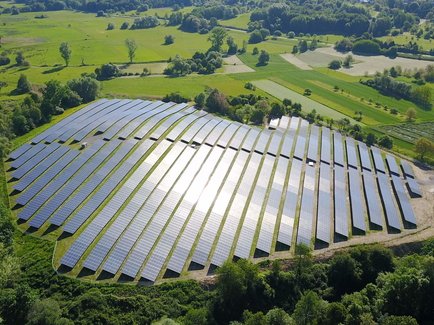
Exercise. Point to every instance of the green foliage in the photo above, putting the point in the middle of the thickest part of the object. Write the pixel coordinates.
(131, 48)
(200, 100)
(344, 274)
(255, 37)
(263, 58)
(23, 85)
(107, 71)
(5, 147)
(309, 309)
(216, 102)
(366, 47)
(6, 227)
(217, 37)
(335, 65)
(46, 312)
(145, 22)
(169, 39)
(65, 52)
(386, 142)
(86, 87)
(175, 97)
(423, 147)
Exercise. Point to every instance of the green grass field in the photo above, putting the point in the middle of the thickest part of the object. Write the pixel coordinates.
(93, 45)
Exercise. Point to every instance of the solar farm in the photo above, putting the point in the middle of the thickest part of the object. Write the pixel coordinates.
(145, 190)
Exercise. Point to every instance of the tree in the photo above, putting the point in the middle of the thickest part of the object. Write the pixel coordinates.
(302, 45)
(294, 49)
(46, 312)
(2, 85)
(232, 46)
(110, 26)
(65, 52)
(411, 114)
(348, 61)
(255, 37)
(277, 316)
(308, 309)
(263, 58)
(424, 146)
(423, 96)
(125, 25)
(217, 102)
(335, 65)
(217, 38)
(255, 51)
(19, 59)
(107, 71)
(371, 139)
(200, 100)
(344, 274)
(131, 47)
(5, 148)
(87, 88)
(169, 39)
(23, 85)
(386, 142)
(52, 97)
(4, 60)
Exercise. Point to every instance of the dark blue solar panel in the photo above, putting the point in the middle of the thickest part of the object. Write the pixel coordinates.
(18, 152)
(375, 210)
(27, 155)
(312, 152)
(364, 156)
(388, 202)
(40, 169)
(325, 145)
(30, 164)
(351, 153)
(413, 187)
(403, 201)
(300, 145)
(357, 201)
(305, 223)
(338, 149)
(407, 169)
(184, 124)
(393, 166)
(324, 216)
(378, 160)
(341, 211)
(48, 191)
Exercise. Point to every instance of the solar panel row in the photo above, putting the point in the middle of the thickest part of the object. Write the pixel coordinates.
(324, 215)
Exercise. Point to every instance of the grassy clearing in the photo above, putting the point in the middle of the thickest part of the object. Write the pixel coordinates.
(308, 104)
(241, 21)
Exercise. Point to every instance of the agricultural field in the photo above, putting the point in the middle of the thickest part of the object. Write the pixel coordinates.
(410, 132)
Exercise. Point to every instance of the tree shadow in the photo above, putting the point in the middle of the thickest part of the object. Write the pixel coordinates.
(55, 69)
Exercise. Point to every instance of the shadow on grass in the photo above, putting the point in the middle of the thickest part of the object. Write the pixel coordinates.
(55, 69)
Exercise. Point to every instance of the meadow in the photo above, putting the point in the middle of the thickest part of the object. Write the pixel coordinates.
(334, 94)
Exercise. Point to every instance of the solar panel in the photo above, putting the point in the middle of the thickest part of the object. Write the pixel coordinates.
(27, 155)
(90, 186)
(375, 210)
(407, 169)
(167, 240)
(275, 142)
(156, 110)
(250, 222)
(312, 152)
(87, 110)
(188, 136)
(104, 191)
(351, 153)
(147, 241)
(324, 217)
(40, 169)
(238, 138)
(228, 232)
(403, 201)
(286, 226)
(211, 132)
(341, 210)
(393, 166)
(30, 164)
(18, 152)
(82, 243)
(325, 145)
(273, 123)
(268, 224)
(305, 223)
(262, 142)
(338, 150)
(390, 210)
(226, 137)
(184, 124)
(205, 201)
(378, 160)
(125, 230)
(364, 156)
(300, 145)
(153, 121)
(413, 187)
(250, 140)
(48, 191)
(166, 125)
(284, 123)
(356, 201)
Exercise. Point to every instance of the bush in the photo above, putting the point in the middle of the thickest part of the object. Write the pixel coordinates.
(110, 26)
(366, 47)
(255, 37)
(169, 39)
(107, 71)
(125, 25)
(335, 65)
(87, 88)
(23, 85)
(4, 60)
(175, 97)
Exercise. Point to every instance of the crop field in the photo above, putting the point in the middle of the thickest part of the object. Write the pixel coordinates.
(410, 132)
(162, 190)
